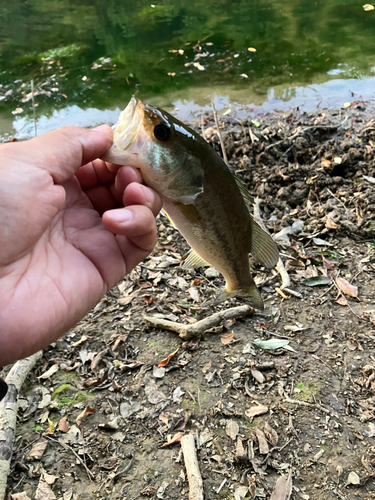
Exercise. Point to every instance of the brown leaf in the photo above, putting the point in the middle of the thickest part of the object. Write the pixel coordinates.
(327, 264)
(342, 301)
(283, 488)
(44, 491)
(330, 224)
(64, 424)
(176, 439)
(97, 359)
(271, 434)
(227, 338)
(165, 361)
(256, 410)
(346, 287)
(240, 454)
(89, 410)
(325, 163)
(262, 442)
(37, 450)
(163, 418)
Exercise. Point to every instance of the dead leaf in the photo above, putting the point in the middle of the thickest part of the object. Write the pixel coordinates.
(111, 425)
(49, 478)
(19, 496)
(227, 338)
(325, 163)
(95, 363)
(153, 394)
(283, 488)
(176, 439)
(53, 369)
(259, 377)
(165, 361)
(367, 7)
(37, 450)
(163, 418)
(252, 49)
(262, 442)
(44, 491)
(346, 287)
(271, 434)
(51, 428)
(330, 224)
(254, 411)
(342, 301)
(89, 410)
(240, 492)
(64, 424)
(194, 294)
(240, 454)
(80, 341)
(353, 478)
(232, 429)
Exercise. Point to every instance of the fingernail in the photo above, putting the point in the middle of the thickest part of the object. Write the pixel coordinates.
(121, 215)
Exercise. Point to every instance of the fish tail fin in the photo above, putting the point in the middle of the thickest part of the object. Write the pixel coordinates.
(251, 293)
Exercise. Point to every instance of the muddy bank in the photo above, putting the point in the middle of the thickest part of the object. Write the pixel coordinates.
(108, 416)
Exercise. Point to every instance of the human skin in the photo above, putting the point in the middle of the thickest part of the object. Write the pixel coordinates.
(65, 236)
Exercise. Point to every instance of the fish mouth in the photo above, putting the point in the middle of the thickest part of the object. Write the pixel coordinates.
(126, 131)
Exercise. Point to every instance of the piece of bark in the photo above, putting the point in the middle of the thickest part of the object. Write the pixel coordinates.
(8, 413)
(192, 468)
(197, 329)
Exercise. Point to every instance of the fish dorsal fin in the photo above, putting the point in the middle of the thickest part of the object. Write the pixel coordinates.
(249, 200)
(263, 248)
(193, 260)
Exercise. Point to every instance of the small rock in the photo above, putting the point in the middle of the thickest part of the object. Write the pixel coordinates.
(212, 273)
(353, 478)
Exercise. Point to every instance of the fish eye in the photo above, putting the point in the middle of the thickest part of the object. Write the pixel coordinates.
(162, 132)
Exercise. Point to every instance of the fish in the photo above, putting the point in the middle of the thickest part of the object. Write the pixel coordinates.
(203, 199)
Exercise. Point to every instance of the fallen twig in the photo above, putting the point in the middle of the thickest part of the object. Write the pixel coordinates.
(300, 132)
(197, 329)
(192, 468)
(225, 157)
(8, 414)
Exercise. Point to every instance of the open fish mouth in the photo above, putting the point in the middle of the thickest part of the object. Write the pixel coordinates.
(126, 130)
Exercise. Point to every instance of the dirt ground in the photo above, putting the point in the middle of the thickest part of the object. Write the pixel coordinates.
(94, 425)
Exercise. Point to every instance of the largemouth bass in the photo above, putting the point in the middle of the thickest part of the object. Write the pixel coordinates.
(200, 195)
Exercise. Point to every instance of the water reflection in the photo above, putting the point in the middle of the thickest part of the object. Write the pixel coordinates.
(188, 104)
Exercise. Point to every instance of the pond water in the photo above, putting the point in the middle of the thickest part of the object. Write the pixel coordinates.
(87, 57)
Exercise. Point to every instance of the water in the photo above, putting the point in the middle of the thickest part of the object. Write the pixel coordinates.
(86, 58)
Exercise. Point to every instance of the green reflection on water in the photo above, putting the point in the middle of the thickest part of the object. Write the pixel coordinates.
(97, 53)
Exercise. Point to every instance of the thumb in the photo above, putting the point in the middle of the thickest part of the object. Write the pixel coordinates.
(63, 151)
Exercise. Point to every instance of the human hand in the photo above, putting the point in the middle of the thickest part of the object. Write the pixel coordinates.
(58, 254)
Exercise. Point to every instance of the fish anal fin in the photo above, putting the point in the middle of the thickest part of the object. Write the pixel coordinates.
(194, 260)
(250, 294)
(263, 248)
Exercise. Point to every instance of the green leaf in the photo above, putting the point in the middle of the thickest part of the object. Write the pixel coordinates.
(318, 280)
(271, 343)
(255, 122)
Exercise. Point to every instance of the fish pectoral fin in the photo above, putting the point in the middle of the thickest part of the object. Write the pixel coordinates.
(192, 261)
(263, 248)
(249, 200)
(250, 294)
